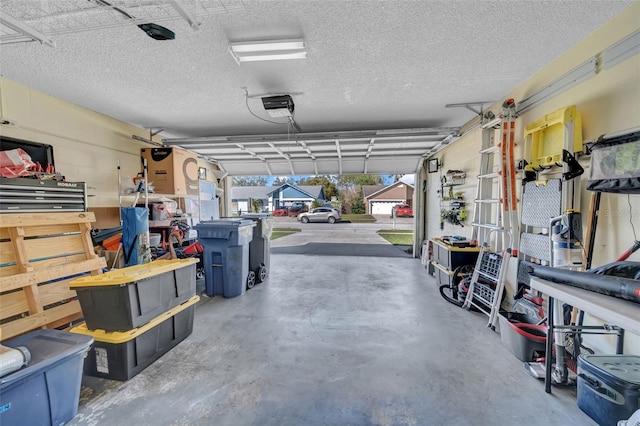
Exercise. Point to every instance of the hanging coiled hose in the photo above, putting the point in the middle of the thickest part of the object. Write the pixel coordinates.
(451, 291)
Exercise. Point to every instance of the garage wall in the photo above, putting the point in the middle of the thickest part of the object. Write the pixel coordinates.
(609, 103)
(87, 145)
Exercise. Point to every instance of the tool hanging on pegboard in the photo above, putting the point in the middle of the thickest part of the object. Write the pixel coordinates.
(452, 207)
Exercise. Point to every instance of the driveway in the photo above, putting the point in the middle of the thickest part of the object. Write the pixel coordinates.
(339, 239)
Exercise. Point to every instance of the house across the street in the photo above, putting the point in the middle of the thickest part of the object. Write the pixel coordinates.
(380, 199)
(269, 198)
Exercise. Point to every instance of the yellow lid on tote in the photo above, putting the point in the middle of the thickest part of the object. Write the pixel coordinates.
(132, 273)
(118, 337)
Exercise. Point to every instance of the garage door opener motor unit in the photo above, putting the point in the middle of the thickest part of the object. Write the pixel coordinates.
(278, 106)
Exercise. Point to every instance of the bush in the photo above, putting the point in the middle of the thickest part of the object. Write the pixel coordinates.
(357, 206)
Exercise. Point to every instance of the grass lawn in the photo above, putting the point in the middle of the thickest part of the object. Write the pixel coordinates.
(397, 237)
(358, 218)
(283, 232)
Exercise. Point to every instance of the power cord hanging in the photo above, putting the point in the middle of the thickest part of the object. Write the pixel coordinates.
(633, 228)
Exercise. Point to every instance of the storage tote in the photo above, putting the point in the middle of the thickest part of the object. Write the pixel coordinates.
(121, 355)
(130, 297)
(47, 391)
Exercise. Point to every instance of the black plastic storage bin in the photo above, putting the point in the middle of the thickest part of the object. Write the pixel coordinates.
(47, 391)
(451, 256)
(226, 255)
(609, 387)
(260, 246)
(520, 334)
(121, 355)
(130, 297)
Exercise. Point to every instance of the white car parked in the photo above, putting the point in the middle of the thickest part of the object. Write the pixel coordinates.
(320, 214)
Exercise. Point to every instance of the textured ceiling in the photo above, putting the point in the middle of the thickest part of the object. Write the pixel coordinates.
(371, 64)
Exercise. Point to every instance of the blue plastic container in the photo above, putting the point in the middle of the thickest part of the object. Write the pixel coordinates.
(226, 255)
(47, 391)
(608, 387)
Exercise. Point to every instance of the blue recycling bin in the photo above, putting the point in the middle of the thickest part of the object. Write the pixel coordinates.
(259, 247)
(226, 255)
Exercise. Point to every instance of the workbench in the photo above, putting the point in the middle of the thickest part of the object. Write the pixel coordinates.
(612, 310)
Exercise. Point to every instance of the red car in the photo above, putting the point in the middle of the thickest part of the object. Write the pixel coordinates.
(402, 210)
(281, 212)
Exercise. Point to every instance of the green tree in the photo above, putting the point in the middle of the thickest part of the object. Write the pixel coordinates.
(351, 194)
(279, 181)
(354, 182)
(327, 182)
(256, 204)
(249, 181)
(357, 205)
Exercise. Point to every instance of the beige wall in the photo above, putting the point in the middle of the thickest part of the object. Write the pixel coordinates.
(608, 103)
(87, 146)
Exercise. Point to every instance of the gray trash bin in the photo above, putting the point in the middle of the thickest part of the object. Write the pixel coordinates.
(259, 248)
(226, 255)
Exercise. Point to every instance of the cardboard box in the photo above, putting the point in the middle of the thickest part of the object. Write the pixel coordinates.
(106, 217)
(172, 170)
(109, 257)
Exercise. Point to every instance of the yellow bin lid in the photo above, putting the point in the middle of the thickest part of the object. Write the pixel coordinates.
(118, 337)
(132, 273)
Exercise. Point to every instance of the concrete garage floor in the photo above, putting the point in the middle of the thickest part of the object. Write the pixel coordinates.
(333, 340)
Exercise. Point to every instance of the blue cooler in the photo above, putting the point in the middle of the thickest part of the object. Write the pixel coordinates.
(226, 255)
(609, 387)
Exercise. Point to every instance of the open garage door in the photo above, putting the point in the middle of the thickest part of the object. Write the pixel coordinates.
(383, 207)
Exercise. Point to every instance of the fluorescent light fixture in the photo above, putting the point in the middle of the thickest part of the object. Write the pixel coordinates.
(272, 50)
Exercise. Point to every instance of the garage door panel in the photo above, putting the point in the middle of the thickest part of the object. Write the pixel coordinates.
(383, 207)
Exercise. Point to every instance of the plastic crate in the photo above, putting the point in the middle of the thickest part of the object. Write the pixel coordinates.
(130, 297)
(484, 293)
(122, 355)
(490, 264)
(47, 391)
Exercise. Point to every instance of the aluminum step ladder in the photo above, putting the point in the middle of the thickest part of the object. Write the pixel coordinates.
(550, 225)
(495, 217)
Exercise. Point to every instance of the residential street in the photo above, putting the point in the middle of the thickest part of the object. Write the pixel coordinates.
(339, 239)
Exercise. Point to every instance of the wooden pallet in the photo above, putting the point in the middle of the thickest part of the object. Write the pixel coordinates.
(39, 254)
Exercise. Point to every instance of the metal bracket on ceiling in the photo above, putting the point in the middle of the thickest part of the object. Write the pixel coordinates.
(152, 133)
(149, 141)
(185, 14)
(29, 32)
(470, 105)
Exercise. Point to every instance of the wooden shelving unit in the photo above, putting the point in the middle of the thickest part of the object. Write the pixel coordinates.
(41, 253)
